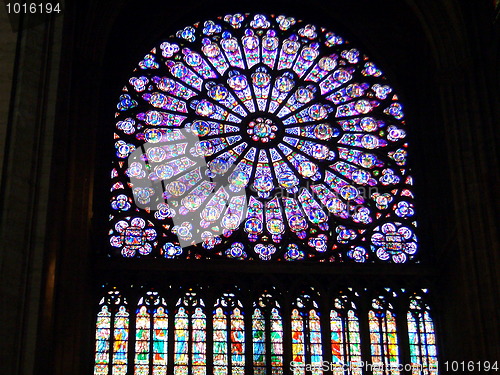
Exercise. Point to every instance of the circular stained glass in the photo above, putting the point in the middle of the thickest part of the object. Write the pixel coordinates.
(266, 138)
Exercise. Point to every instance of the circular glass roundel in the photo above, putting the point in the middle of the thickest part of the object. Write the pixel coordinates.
(261, 137)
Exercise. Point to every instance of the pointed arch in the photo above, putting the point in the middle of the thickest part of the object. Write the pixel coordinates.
(190, 335)
(422, 337)
(385, 355)
(112, 334)
(229, 335)
(345, 333)
(267, 333)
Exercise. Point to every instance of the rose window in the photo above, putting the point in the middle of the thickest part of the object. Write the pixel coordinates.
(265, 138)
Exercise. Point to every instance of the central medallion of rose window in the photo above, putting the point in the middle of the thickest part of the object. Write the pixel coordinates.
(262, 129)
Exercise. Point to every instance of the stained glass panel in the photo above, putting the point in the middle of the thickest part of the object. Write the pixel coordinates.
(199, 345)
(315, 340)
(259, 342)
(112, 335)
(298, 343)
(345, 336)
(229, 336)
(383, 337)
(151, 337)
(237, 342)
(267, 333)
(423, 353)
(306, 336)
(220, 342)
(139, 343)
(103, 329)
(142, 341)
(260, 127)
(276, 342)
(160, 341)
(190, 336)
(120, 341)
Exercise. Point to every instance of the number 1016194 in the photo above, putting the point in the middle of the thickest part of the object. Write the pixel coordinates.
(33, 8)
(470, 366)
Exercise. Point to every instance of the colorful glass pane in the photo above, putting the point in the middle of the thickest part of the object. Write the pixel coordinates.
(259, 342)
(220, 342)
(307, 353)
(315, 340)
(383, 338)
(160, 341)
(298, 343)
(142, 341)
(276, 342)
(199, 344)
(237, 342)
(423, 353)
(181, 331)
(267, 333)
(345, 336)
(103, 329)
(120, 341)
(228, 336)
(112, 335)
(190, 341)
(151, 335)
(262, 129)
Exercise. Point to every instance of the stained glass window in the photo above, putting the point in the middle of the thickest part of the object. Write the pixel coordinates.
(238, 132)
(151, 341)
(103, 328)
(345, 336)
(267, 333)
(259, 342)
(112, 331)
(422, 337)
(274, 344)
(142, 340)
(229, 332)
(383, 337)
(306, 335)
(190, 336)
(262, 138)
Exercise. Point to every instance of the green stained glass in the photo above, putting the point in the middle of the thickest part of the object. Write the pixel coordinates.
(229, 335)
(199, 341)
(190, 341)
